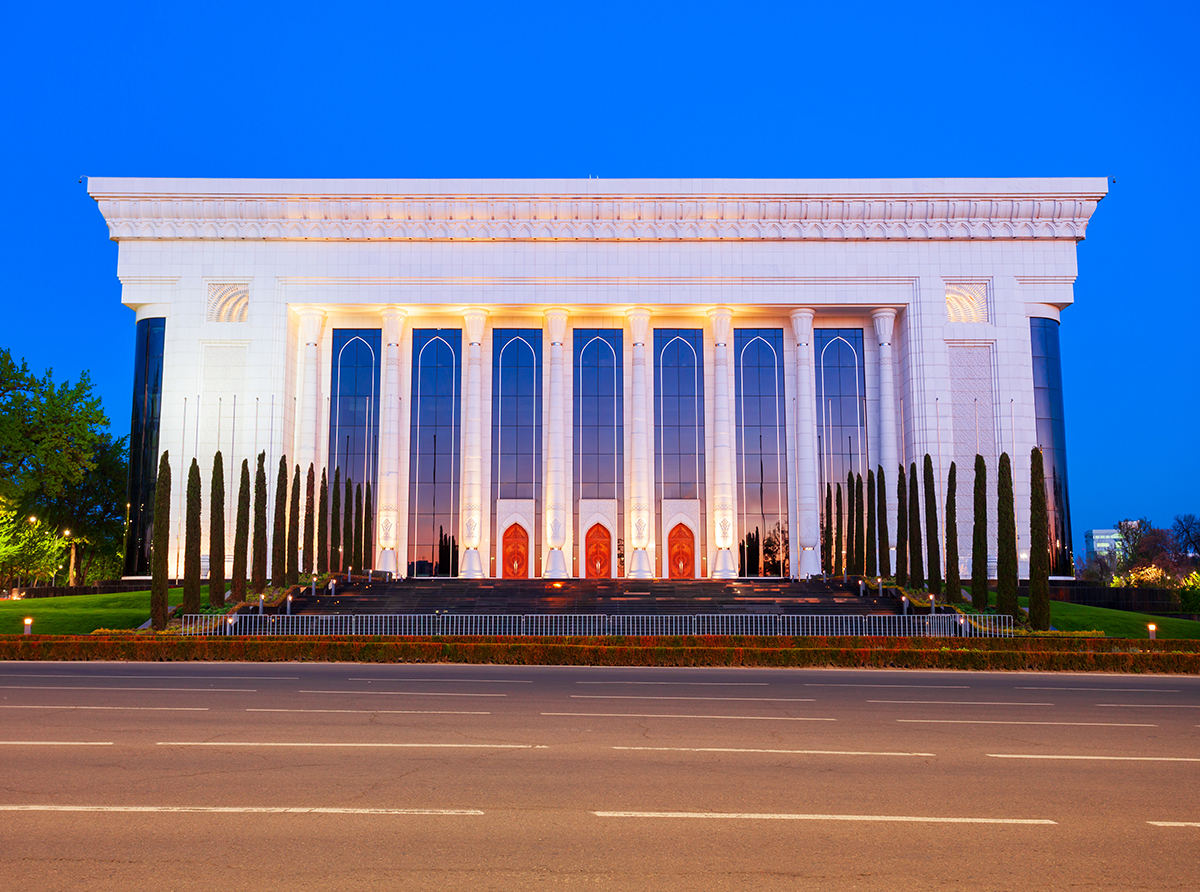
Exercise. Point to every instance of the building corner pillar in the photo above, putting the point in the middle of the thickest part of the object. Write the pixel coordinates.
(471, 566)
(387, 517)
(641, 514)
(311, 322)
(556, 511)
(885, 323)
(724, 506)
(807, 501)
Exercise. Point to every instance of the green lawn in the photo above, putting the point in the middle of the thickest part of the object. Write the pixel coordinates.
(82, 614)
(1114, 623)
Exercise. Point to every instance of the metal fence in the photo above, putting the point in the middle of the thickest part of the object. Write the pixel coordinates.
(599, 624)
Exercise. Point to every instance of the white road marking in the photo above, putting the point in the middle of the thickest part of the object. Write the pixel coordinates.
(378, 711)
(122, 708)
(406, 693)
(642, 715)
(248, 810)
(56, 743)
(446, 746)
(997, 722)
(961, 702)
(447, 680)
(904, 819)
(1174, 823)
(924, 686)
(728, 699)
(1092, 758)
(1152, 705)
(155, 677)
(1104, 690)
(699, 684)
(48, 687)
(714, 749)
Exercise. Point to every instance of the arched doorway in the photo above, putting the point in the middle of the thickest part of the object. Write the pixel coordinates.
(598, 552)
(681, 553)
(516, 552)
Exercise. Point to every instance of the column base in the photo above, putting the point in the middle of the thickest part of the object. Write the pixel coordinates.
(387, 561)
(810, 563)
(639, 565)
(724, 567)
(471, 566)
(556, 565)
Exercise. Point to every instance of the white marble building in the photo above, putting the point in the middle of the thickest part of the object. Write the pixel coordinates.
(931, 293)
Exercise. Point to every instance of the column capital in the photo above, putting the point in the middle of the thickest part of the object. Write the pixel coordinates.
(556, 322)
(473, 321)
(393, 322)
(311, 320)
(802, 325)
(639, 323)
(885, 321)
(722, 323)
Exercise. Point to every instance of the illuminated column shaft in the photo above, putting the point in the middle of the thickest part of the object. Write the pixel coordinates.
(724, 520)
(472, 454)
(806, 457)
(641, 497)
(310, 335)
(556, 503)
(885, 321)
(387, 519)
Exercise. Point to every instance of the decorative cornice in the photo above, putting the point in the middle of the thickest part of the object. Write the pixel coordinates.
(629, 217)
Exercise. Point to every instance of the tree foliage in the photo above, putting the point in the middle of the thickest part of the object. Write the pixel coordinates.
(1039, 545)
(901, 528)
(979, 560)
(216, 533)
(871, 540)
(30, 549)
(885, 555)
(827, 533)
(309, 532)
(859, 537)
(348, 528)
(160, 549)
(258, 559)
(323, 526)
(1006, 542)
(368, 531)
(241, 536)
(293, 531)
(279, 534)
(916, 567)
(358, 529)
(933, 548)
(953, 582)
(837, 540)
(335, 536)
(191, 542)
(851, 510)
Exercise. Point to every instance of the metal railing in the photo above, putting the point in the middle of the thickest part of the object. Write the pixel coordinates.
(600, 624)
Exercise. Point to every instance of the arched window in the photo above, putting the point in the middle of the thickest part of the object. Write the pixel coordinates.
(354, 404)
(599, 425)
(517, 428)
(679, 427)
(434, 454)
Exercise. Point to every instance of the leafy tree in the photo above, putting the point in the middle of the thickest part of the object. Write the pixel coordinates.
(1039, 544)
(932, 546)
(348, 528)
(323, 526)
(160, 548)
(369, 531)
(871, 539)
(837, 543)
(258, 560)
(916, 568)
(216, 534)
(827, 532)
(859, 543)
(191, 542)
(1185, 535)
(953, 583)
(851, 511)
(335, 538)
(293, 533)
(358, 529)
(309, 532)
(901, 528)
(279, 535)
(885, 555)
(241, 536)
(1006, 538)
(30, 549)
(979, 574)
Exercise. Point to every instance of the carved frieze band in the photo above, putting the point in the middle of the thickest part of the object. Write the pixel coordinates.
(701, 218)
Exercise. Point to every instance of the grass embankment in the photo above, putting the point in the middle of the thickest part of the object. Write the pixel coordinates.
(1068, 617)
(83, 614)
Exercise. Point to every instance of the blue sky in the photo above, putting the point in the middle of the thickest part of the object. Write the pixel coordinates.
(640, 90)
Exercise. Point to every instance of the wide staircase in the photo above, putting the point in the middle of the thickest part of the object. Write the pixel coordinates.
(608, 596)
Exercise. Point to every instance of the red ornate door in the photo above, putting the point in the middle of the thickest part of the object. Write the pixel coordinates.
(598, 552)
(516, 552)
(681, 553)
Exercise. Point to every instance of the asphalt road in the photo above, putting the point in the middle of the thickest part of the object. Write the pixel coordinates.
(349, 776)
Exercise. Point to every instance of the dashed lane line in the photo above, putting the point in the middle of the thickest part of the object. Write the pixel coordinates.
(405, 693)
(716, 749)
(49, 687)
(961, 703)
(746, 816)
(723, 699)
(378, 711)
(356, 745)
(646, 715)
(56, 743)
(1092, 758)
(121, 708)
(241, 809)
(1003, 722)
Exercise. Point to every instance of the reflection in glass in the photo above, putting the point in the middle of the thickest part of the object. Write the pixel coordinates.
(143, 443)
(679, 427)
(1052, 438)
(599, 426)
(354, 404)
(841, 411)
(517, 428)
(434, 458)
(762, 452)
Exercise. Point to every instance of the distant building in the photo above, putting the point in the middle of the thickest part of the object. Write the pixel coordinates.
(1102, 542)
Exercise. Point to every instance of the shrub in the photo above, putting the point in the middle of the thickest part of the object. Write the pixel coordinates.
(216, 534)
(979, 574)
(885, 555)
(241, 536)
(258, 562)
(160, 544)
(932, 544)
(191, 542)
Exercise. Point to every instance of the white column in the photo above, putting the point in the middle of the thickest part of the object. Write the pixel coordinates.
(885, 322)
(557, 509)
(641, 515)
(809, 537)
(387, 516)
(472, 453)
(310, 335)
(724, 521)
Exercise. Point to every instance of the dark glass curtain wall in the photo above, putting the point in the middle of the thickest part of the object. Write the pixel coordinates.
(517, 428)
(143, 444)
(841, 413)
(599, 425)
(354, 405)
(433, 470)
(679, 427)
(1052, 438)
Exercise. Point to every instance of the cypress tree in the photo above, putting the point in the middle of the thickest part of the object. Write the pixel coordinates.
(979, 573)
(368, 531)
(953, 583)
(859, 538)
(309, 532)
(1006, 541)
(916, 567)
(191, 542)
(293, 532)
(335, 537)
(258, 559)
(870, 566)
(1039, 545)
(160, 545)
(241, 536)
(216, 534)
(358, 528)
(827, 533)
(851, 510)
(279, 533)
(348, 528)
(885, 555)
(901, 529)
(323, 527)
(837, 541)
(932, 545)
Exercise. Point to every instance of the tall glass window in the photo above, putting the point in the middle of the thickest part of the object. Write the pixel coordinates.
(679, 426)
(517, 427)
(841, 413)
(1052, 438)
(143, 443)
(762, 452)
(354, 404)
(433, 474)
(599, 425)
